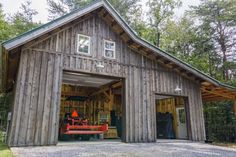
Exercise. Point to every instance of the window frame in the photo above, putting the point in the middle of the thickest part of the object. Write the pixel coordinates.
(104, 49)
(89, 45)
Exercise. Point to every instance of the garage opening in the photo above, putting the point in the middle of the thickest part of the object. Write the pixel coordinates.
(91, 107)
(171, 117)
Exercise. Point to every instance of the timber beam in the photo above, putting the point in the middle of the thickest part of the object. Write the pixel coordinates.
(130, 42)
(227, 96)
(113, 23)
(121, 33)
(105, 14)
(107, 88)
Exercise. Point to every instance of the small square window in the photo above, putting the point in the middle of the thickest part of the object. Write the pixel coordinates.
(109, 49)
(83, 45)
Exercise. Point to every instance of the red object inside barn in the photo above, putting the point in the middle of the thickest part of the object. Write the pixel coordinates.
(77, 126)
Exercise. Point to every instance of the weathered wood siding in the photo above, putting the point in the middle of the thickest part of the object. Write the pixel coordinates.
(37, 97)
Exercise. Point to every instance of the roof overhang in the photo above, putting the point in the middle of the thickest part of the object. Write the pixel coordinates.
(208, 84)
(218, 93)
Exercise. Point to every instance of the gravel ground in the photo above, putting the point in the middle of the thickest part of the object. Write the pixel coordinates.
(162, 148)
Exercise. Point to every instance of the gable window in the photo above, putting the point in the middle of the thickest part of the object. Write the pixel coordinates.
(109, 49)
(83, 45)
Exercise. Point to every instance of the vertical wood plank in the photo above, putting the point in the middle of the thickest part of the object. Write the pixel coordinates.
(26, 100)
(21, 97)
(127, 107)
(58, 99)
(144, 99)
(34, 98)
(47, 100)
(40, 104)
(148, 107)
(136, 104)
(130, 105)
(51, 126)
(198, 114)
(17, 106)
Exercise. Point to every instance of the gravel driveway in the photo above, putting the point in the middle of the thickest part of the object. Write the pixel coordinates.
(162, 148)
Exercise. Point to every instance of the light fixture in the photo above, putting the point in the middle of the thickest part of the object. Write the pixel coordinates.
(177, 89)
(99, 65)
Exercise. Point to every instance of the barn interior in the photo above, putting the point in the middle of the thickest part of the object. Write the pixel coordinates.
(91, 107)
(171, 119)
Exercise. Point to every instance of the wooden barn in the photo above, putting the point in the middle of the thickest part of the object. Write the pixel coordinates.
(90, 61)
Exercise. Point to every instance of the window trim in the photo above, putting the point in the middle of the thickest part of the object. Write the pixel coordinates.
(104, 49)
(78, 37)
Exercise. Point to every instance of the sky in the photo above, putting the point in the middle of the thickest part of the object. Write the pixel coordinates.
(11, 6)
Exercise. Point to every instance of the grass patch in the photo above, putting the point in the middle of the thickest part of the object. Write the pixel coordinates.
(225, 144)
(5, 151)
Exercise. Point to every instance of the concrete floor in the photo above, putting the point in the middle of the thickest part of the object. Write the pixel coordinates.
(106, 148)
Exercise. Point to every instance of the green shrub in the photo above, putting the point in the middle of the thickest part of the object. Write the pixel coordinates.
(220, 121)
(5, 105)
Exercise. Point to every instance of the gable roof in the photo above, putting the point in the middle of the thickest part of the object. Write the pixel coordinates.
(34, 33)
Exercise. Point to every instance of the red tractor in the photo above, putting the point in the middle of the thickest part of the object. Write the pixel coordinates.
(73, 124)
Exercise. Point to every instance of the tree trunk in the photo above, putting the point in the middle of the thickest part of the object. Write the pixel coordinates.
(210, 65)
(225, 69)
(158, 39)
(222, 43)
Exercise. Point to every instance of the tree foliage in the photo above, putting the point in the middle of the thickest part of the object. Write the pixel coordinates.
(219, 17)
(17, 23)
(220, 121)
(181, 40)
(159, 13)
(128, 9)
(58, 8)
(22, 20)
(4, 26)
